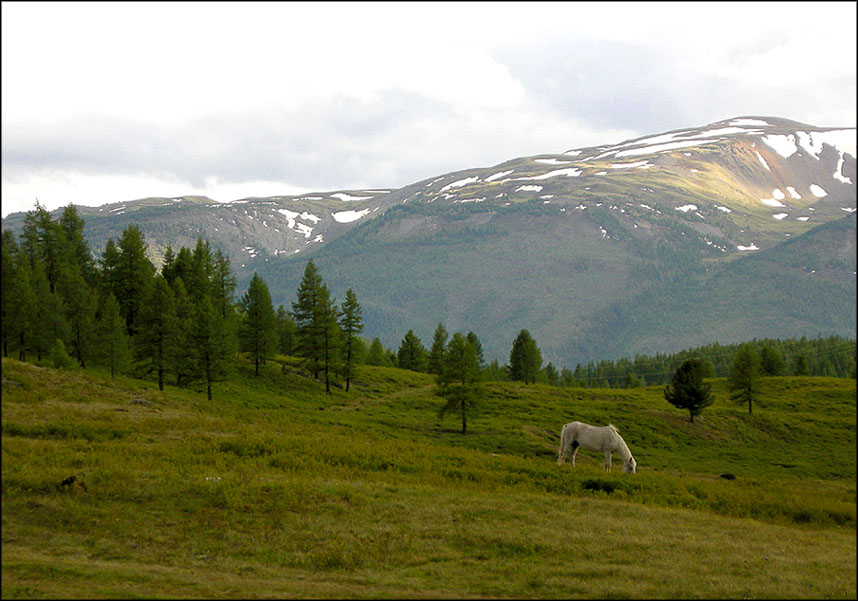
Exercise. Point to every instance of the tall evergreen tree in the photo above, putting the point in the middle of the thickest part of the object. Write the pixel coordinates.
(478, 349)
(436, 354)
(458, 380)
(258, 330)
(771, 361)
(77, 249)
(50, 323)
(305, 312)
(81, 304)
(159, 330)
(20, 307)
(213, 349)
(43, 240)
(687, 390)
(286, 332)
(133, 275)
(525, 359)
(182, 351)
(351, 325)
(329, 334)
(744, 375)
(377, 354)
(223, 283)
(112, 346)
(10, 256)
(412, 353)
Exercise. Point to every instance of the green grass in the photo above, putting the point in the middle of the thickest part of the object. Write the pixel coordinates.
(274, 489)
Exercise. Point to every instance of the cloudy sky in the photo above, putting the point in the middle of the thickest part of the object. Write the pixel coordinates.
(110, 102)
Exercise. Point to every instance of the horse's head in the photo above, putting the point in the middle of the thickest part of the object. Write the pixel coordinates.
(630, 466)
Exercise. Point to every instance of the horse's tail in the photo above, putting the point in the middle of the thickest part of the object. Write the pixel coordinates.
(565, 434)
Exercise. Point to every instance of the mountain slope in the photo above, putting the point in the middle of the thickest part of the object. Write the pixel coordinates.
(654, 244)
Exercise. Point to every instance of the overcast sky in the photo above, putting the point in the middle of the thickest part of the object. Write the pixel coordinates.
(110, 102)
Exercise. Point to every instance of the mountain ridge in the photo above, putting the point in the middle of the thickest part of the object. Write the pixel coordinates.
(564, 244)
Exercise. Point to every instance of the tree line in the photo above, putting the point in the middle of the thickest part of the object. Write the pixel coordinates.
(182, 324)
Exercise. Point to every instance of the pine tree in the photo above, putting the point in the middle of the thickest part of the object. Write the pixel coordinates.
(159, 330)
(436, 354)
(687, 390)
(743, 379)
(258, 329)
(458, 380)
(112, 343)
(76, 249)
(412, 354)
(351, 325)
(525, 359)
(10, 252)
(222, 283)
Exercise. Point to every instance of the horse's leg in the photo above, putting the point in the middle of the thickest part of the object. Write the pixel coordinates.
(607, 461)
(575, 446)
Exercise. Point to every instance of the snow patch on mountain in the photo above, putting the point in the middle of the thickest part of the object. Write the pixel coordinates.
(499, 175)
(460, 183)
(348, 198)
(349, 216)
(763, 161)
(818, 191)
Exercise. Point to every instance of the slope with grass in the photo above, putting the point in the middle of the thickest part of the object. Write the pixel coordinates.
(275, 489)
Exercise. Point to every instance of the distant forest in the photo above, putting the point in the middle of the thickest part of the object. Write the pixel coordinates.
(183, 323)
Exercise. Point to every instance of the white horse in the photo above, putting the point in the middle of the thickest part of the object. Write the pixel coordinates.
(595, 438)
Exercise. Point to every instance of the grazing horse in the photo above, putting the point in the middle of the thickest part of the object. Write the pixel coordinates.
(595, 438)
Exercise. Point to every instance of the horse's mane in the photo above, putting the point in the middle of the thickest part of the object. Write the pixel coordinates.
(614, 428)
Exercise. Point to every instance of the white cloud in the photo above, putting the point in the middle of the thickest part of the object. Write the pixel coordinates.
(111, 101)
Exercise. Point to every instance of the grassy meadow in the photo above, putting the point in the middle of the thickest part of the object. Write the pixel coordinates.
(274, 489)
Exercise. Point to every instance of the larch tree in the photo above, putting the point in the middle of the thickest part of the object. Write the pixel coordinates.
(351, 325)
(159, 330)
(743, 380)
(258, 326)
(436, 354)
(458, 380)
(687, 390)
(412, 353)
(525, 359)
(112, 346)
(305, 311)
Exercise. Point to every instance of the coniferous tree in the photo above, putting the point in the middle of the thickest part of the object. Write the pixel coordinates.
(329, 335)
(80, 304)
(436, 354)
(551, 375)
(525, 359)
(132, 276)
(286, 333)
(10, 253)
(159, 330)
(305, 312)
(43, 240)
(377, 354)
(771, 361)
(351, 325)
(801, 366)
(223, 284)
(213, 349)
(744, 374)
(458, 380)
(112, 346)
(478, 349)
(258, 330)
(181, 353)
(20, 307)
(49, 314)
(687, 390)
(412, 354)
(76, 247)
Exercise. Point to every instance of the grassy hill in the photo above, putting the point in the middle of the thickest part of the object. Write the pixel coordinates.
(275, 489)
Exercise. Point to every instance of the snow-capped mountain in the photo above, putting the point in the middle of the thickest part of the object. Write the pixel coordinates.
(736, 229)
